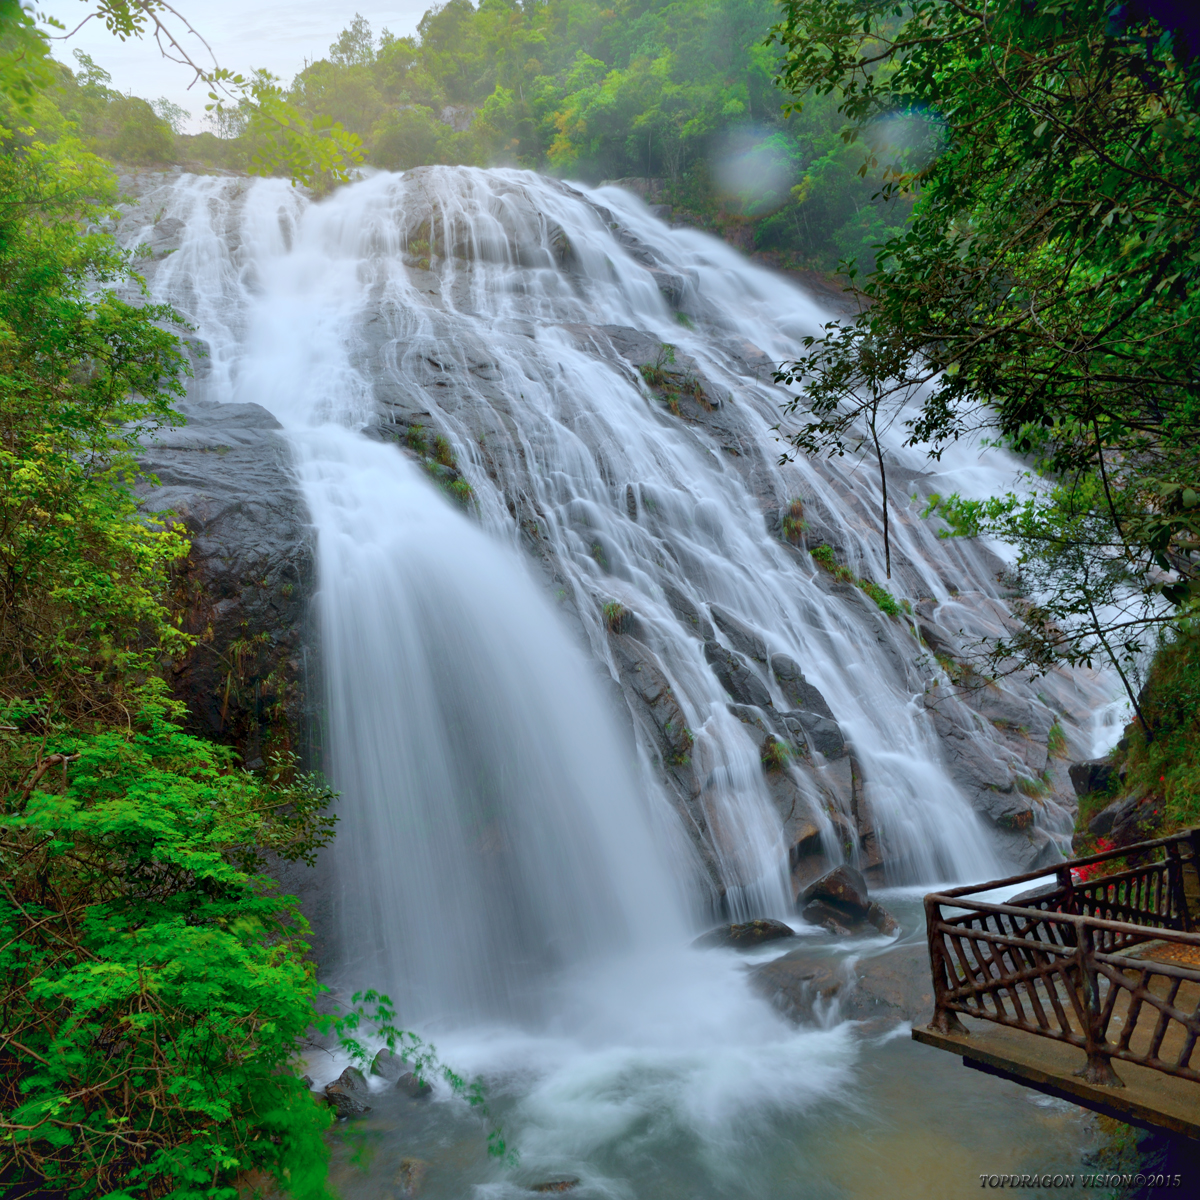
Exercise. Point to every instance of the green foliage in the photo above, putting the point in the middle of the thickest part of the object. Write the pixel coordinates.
(793, 523)
(1167, 764)
(655, 373)
(154, 985)
(678, 94)
(882, 597)
(825, 558)
(823, 555)
(775, 754)
(616, 617)
(1045, 289)
(420, 1055)
(83, 375)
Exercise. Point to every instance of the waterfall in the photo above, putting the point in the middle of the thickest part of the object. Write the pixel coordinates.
(498, 825)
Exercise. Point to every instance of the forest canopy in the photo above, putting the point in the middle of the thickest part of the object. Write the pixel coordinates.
(680, 99)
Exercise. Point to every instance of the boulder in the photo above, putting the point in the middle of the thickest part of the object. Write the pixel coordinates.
(837, 919)
(1033, 897)
(882, 919)
(1118, 812)
(1138, 820)
(395, 1070)
(744, 936)
(845, 886)
(566, 1184)
(1095, 775)
(348, 1093)
(823, 734)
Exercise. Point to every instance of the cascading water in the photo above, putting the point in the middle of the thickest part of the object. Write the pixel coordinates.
(507, 858)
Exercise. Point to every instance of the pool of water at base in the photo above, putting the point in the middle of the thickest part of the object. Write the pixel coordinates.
(782, 1112)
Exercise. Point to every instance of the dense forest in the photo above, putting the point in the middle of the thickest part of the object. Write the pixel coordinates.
(679, 98)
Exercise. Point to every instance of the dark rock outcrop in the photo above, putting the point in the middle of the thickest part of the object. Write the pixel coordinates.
(1095, 775)
(736, 676)
(839, 902)
(745, 935)
(348, 1094)
(890, 987)
(246, 587)
(396, 1071)
(844, 885)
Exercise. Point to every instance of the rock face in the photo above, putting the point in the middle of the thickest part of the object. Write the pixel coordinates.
(843, 885)
(1095, 775)
(247, 585)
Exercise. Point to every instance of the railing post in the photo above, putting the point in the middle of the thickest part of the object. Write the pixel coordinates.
(945, 1020)
(1098, 1069)
(1175, 883)
(1066, 881)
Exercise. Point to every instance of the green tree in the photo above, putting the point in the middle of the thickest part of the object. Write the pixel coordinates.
(1045, 292)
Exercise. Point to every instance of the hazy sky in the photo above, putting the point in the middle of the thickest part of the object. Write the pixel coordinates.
(243, 34)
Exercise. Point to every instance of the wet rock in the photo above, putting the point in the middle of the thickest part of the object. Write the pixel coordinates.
(1095, 775)
(736, 676)
(882, 919)
(227, 475)
(566, 1184)
(410, 1176)
(687, 612)
(834, 918)
(1032, 897)
(744, 639)
(800, 984)
(845, 886)
(800, 693)
(823, 734)
(395, 1070)
(745, 935)
(348, 1094)
(892, 986)
(653, 688)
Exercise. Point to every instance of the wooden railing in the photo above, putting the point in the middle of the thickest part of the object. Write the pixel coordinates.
(1058, 963)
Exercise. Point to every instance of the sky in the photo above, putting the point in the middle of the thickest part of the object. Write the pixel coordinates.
(244, 34)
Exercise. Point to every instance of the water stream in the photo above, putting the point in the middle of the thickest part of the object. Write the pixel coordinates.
(512, 864)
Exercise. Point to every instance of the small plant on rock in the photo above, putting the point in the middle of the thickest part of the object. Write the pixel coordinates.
(416, 439)
(616, 617)
(794, 524)
(776, 754)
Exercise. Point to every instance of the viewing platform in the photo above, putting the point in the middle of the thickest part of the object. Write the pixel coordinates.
(1086, 988)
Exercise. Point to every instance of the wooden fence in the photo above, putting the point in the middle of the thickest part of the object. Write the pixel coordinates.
(1063, 962)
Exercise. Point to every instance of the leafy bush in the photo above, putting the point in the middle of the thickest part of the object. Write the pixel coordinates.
(1165, 759)
(154, 983)
(881, 596)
